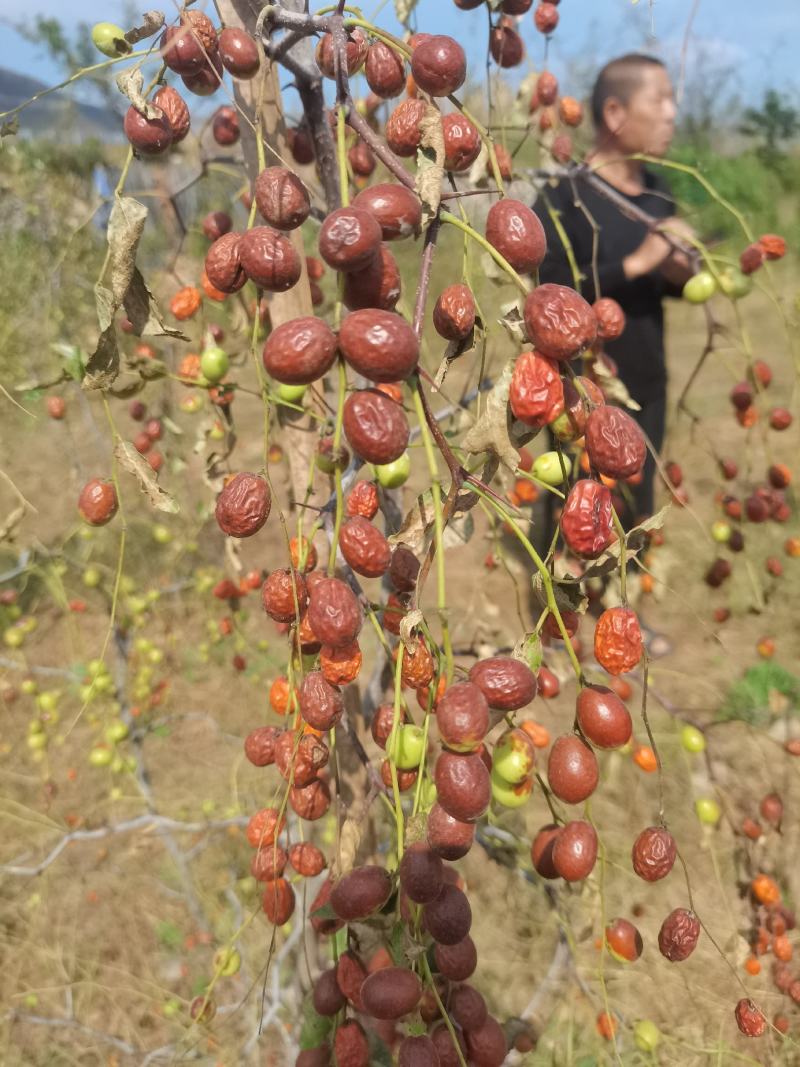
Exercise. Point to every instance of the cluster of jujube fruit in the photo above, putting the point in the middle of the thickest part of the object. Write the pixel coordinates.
(480, 755)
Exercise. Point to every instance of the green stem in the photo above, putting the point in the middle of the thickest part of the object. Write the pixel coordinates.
(426, 970)
(398, 805)
(481, 240)
(623, 559)
(547, 580)
(438, 530)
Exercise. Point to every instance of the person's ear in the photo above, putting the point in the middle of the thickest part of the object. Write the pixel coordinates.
(614, 112)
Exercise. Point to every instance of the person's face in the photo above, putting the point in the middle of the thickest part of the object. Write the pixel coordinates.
(647, 122)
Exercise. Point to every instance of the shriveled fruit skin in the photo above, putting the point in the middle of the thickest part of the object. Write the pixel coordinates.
(175, 109)
(299, 759)
(487, 1046)
(603, 718)
(614, 442)
(456, 962)
(311, 801)
(223, 266)
(404, 569)
(542, 851)
(679, 934)
(300, 351)
(97, 502)
(448, 918)
(307, 859)
(610, 318)
(439, 65)
(351, 974)
(391, 993)
(450, 838)
(269, 259)
(384, 71)
(618, 640)
(268, 863)
(517, 234)
(462, 716)
(653, 854)
(749, 1019)
(421, 873)
(334, 612)
(216, 223)
(376, 426)
(462, 142)
(536, 394)
(572, 770)
(559, 321)
(403, 127)
(507, 683)
(278, 594)
(361, 892)
(259, 745)
(379, 344)
(586, 518)
(321, 703)
(575, 851)
(463, 785)
(396, 209)
(243, 505)
(349, 239)
(454, 312)
(281, 198)
(364, 547)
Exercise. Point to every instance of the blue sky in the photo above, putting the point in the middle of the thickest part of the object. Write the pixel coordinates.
(758, 41)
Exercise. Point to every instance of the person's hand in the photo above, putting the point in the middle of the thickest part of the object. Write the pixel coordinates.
(655, 252)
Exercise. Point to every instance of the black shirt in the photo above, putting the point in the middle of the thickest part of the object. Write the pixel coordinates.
(639, 352)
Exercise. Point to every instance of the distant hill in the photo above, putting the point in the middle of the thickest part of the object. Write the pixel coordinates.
(57, 116)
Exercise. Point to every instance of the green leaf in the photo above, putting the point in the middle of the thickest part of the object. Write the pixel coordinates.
(315, 1028)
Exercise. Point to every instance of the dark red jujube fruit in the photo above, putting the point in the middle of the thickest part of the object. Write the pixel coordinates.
(350, 238)
(259, 745)
(506, 682)
(269, 259)
(572, 770)
(457, 962)
(421, 873)
(454, 312)
(448, 837)
(614, 442)
(321, 704)
(462, 142)
(176, 111)
(417, 1051)
(439, 65)
(378, 285)
(97, 502)
(448, 918)
(517, 234)
(603, 718)
(463, 785)
(379, 344)
(243, 505)
(361, 892)
(223, 265)
(384, 70)
(300, 351)
(486, 1045)
(462, 715)
(281, 198)
(364, 547)
(536, 393)
(679, 934)
(575, 851)
(586, 522)
(653, 853)
(396, 209)
(375, 426)
(391, 993)
(148, 137)
(334, 612)
(238, 52)
(559, 321)
(284, 595)
(542, 851)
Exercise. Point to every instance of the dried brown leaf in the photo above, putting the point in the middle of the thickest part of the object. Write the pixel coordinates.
(130, 460)
(430, 164)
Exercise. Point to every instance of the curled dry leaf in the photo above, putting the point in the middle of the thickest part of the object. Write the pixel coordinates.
(568, 595)
(130, 460)
(635, 541)
(491, 431)
(430, 164)
(408, 624)
(152, 21)
(130, 83)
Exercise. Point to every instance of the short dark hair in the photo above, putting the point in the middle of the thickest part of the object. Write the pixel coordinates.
(620, 78)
